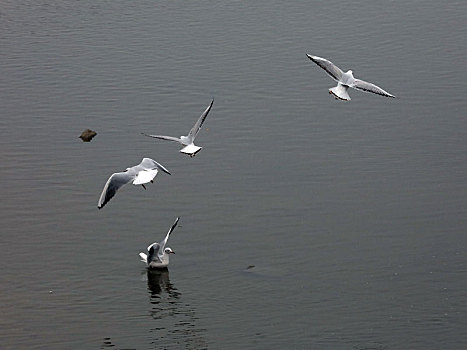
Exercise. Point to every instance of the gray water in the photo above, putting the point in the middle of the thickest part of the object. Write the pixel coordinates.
(352, 214)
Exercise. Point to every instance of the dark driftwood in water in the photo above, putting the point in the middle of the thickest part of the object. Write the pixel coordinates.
(87, 135)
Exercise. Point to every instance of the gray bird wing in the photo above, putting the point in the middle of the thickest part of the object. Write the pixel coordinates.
(199, 123)
(112, 185)
(149, 164)
(330, 68)
(164, 242)
(162, 137)
(369, 87)
(153, 252)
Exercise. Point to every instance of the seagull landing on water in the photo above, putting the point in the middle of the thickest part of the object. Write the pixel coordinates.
(140, 174)
(188, 141)
(158, 254)
(346, 80)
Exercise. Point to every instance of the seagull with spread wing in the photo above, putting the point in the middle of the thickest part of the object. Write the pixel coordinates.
(139, 174)
(346, 80)
(158, 254)
(188, 141)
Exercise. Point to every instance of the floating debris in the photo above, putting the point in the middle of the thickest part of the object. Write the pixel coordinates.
(87, 135)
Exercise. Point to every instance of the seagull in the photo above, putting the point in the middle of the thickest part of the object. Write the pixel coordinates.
(346, 80)
(158, 254)
(139, 174)
(188, 141)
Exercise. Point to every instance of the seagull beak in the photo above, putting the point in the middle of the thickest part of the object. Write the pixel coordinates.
(172, 252)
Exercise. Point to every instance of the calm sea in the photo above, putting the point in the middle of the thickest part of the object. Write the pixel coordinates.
(350, 216)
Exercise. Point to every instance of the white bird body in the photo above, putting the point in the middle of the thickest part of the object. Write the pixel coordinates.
(346, 80)
(158, 254)
(139, 174)
(145, 176)
(158, 263)
(188, 141)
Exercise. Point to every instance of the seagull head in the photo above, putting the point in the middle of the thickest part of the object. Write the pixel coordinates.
(168, 251)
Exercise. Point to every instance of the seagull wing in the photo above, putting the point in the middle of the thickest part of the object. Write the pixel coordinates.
(199, 123)
(150, 164)
(162, 137)
(369, 87)
(112, 185)
(153, 251)
(330, 68)
(164, 242)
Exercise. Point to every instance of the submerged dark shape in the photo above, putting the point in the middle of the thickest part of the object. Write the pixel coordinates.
(87, 135)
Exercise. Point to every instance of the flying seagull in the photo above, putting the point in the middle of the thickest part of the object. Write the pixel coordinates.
(188, 141)
(139, 174)
(346, 80)
(158, 254)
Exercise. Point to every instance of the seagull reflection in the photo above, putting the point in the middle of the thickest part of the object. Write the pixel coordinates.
(158, 282)
(175, 321)
(107, 343)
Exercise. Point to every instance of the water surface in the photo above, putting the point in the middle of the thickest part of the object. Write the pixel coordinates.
(352, 214)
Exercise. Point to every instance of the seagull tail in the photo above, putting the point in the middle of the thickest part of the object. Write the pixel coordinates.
(144, 257)
(340, 92)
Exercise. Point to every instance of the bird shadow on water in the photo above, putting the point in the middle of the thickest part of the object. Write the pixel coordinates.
(174, 321)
